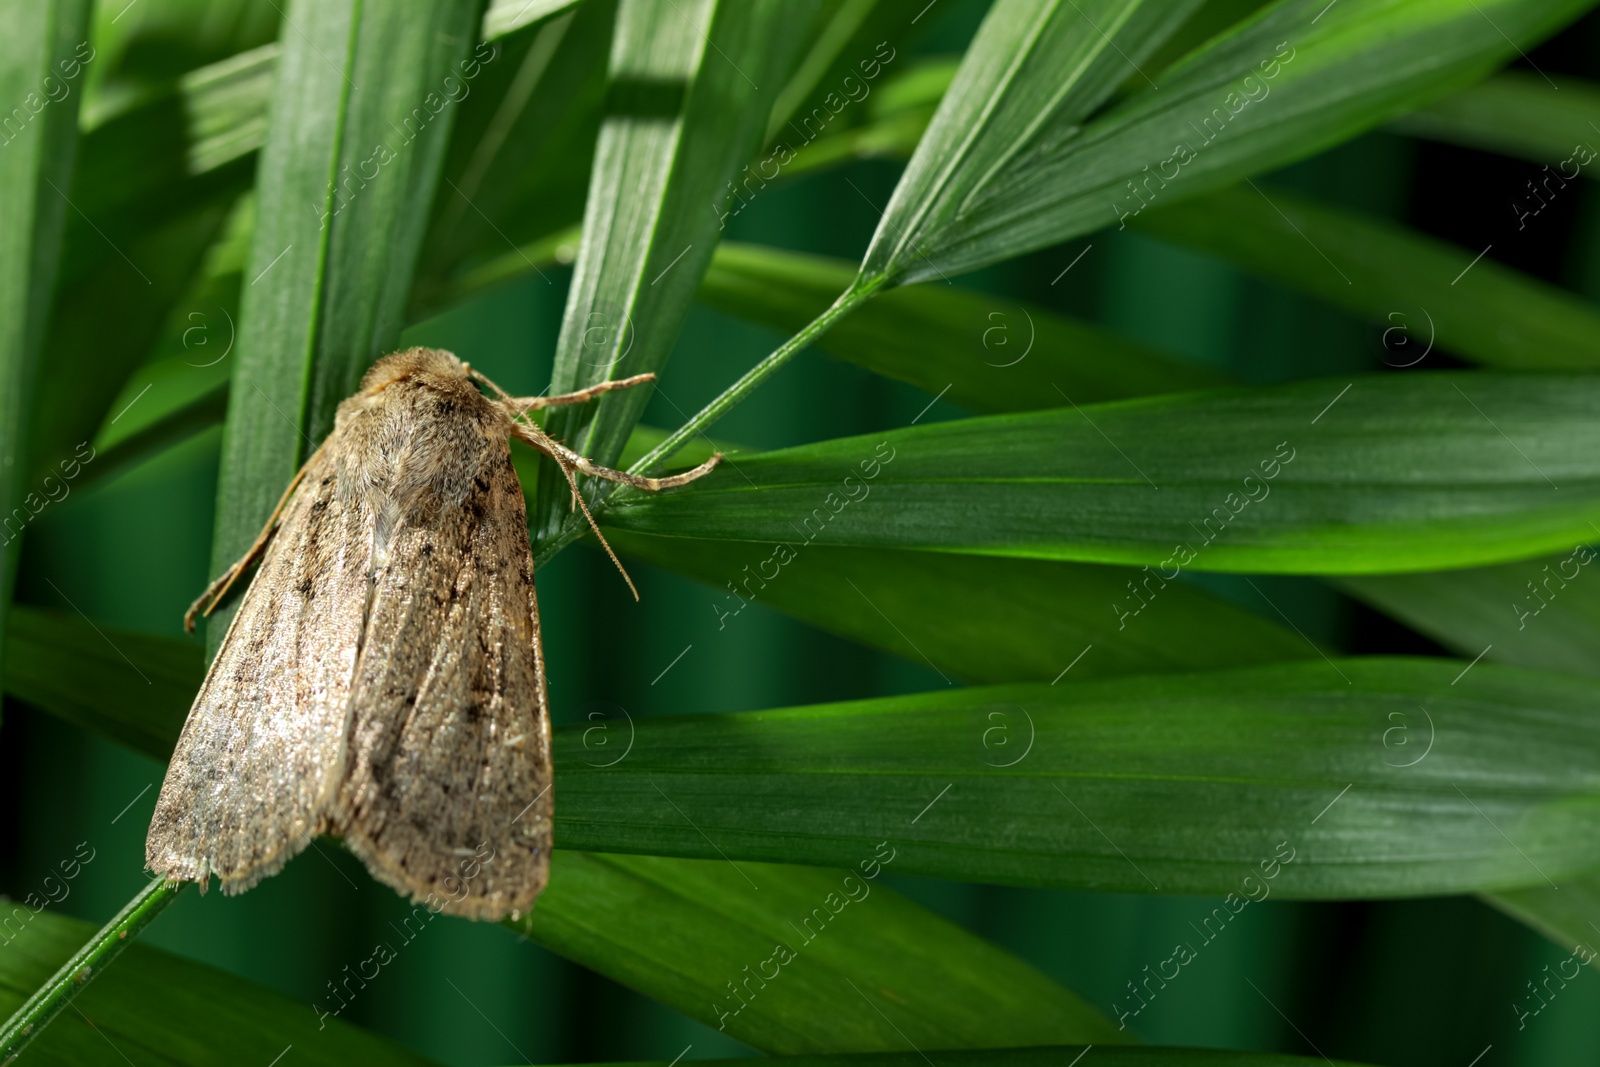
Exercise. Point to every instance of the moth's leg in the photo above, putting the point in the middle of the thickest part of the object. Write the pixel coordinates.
(220, 586)
(577, 498)
(567, 457)
(519, 405)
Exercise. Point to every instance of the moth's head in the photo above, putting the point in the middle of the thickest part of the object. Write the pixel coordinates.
(434, 366)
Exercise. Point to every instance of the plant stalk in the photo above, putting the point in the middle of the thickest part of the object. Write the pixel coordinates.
(858, 293)
(49, 999)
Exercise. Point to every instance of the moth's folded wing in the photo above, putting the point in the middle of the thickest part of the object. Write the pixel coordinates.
(447, 798)
(263, 750)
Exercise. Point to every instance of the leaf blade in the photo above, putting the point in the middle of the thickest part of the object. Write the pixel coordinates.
(326, 287)
(987, 353)
(1472, 307)
(1353, 67)
(682, 117)
(1371, 475)
(34, 170)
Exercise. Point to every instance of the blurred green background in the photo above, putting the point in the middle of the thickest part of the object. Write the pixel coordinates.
(1385, 982)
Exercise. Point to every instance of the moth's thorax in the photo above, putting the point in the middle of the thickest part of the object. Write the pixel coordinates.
(416, 438)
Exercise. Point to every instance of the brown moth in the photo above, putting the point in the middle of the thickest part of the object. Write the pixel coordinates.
(383, 680)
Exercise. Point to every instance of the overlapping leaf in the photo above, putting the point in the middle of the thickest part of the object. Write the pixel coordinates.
(682, 118)
(762, 951)
(1424, 292)
(359, 121)
(985, 352)
(979, 618)
(1035, 71)
(609, 912)
(165, 1010)
(1370, 475)
(45, 40)
(1175, 784)
(1520, 114)
(1294, 79)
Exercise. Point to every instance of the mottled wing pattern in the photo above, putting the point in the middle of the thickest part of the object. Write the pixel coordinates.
(262, 752)
(447, 795)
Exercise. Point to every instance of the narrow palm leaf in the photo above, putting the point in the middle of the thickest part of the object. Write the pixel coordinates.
(1517, 114)
(360, 117)
(978, 618)
(162, 1009)
(984, 352)
(44, 41)
(1035, 71)
(1282, 85)
(708, 938)
(1469, 306)
(682, 117)
(1170, 784)
(1367, 475)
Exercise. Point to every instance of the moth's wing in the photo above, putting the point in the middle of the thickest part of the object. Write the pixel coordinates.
(262, 751)
(447, 797)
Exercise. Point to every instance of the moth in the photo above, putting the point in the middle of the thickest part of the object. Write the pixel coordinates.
(383, 681)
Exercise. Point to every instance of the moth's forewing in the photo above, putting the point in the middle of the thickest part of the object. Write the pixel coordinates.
(447, 796)
(262, 753)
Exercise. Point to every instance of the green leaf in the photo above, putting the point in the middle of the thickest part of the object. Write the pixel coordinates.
(843, 56)
(1280, 86)
(700, 936)
(159, 1008)
(1373, 475)
(1567, 915)
(519, 157)
(1033, 73)
(39, 136)
(344, 184)
(984, 352)
(1422, 290)
(977, 618)
(507, 16)
(619, 915)
(1542, 613)
(1170, 784)
(1042, 1057)
(133, 688)
(682, 117)
(1514, 113)
(1223, 766)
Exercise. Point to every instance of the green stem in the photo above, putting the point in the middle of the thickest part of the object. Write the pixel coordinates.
(858, 293)
(49, 999)
(848, 301)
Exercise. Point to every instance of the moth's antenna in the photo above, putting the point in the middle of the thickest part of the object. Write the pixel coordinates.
(578, 499)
